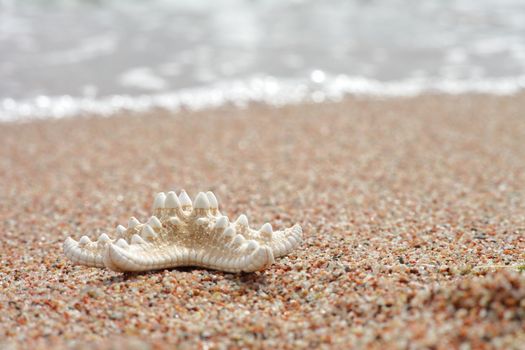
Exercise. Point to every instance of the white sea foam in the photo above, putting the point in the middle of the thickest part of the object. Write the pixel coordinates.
(269, 90)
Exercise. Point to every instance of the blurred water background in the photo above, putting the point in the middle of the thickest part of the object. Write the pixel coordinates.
(70, 57)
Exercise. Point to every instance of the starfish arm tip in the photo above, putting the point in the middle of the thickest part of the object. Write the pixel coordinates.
(80, 255)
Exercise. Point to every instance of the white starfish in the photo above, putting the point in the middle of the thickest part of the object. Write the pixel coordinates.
(182, 233)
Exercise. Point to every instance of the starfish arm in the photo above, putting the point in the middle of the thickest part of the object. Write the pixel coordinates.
(137, 258)
(88, 253)
(283, 242)
(280, 242)
(149, 257)
(84, 252)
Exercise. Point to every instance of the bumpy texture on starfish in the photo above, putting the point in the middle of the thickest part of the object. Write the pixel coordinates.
(182, 233)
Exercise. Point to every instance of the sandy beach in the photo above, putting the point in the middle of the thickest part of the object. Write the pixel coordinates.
(413, 213)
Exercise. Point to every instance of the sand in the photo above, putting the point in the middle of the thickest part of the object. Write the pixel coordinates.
(413, 212)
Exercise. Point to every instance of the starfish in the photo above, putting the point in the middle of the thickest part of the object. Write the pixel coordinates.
(182, 233)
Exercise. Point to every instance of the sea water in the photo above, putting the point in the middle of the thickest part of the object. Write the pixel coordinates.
(71, 57)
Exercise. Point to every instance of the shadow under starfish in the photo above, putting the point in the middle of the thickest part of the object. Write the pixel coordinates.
(245, 279)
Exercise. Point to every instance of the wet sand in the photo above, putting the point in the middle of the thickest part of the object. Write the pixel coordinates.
(413, 212)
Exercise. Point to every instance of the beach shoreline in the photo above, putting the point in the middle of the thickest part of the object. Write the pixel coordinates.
(405, 204)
